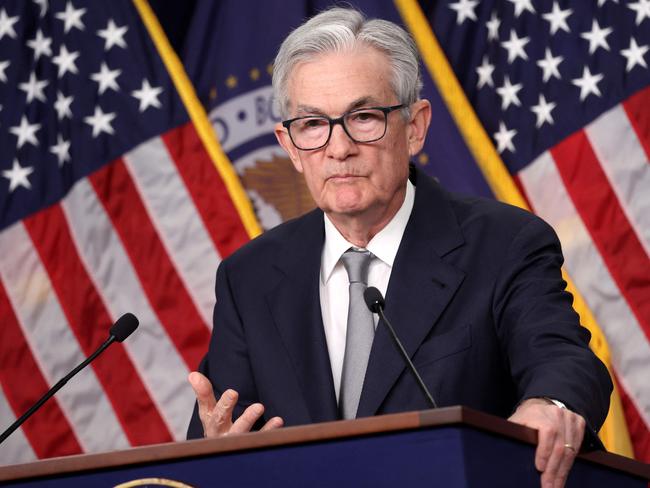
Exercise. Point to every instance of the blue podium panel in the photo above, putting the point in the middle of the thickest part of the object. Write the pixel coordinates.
(449, 456)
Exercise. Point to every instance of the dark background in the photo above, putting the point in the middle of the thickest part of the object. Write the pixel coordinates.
(176, 16)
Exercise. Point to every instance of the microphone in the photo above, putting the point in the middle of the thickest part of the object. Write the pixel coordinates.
(375, 303)
(123, 328)
(119, 331)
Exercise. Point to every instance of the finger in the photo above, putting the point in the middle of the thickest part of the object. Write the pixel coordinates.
(203, 391)
(221, 415)
(274, 423)
(546, 436)
(247, 419)
(579, 424)
(574, 432)
(571, 445)
(205, 400)
(558, 450)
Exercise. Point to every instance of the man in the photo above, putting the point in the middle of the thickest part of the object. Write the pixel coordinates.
(473, 286)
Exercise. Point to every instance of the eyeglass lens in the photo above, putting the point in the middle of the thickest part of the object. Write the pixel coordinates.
(361, 125)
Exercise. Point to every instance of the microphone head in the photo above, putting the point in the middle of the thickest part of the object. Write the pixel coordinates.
(374, 299)
(124, 327)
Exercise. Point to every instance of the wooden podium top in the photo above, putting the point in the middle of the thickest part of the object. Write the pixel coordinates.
(305, 434)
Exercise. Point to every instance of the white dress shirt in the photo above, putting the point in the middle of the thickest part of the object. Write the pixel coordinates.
(334, 281)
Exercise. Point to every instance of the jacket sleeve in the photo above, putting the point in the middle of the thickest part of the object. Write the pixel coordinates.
(226, 363)
(547, 348)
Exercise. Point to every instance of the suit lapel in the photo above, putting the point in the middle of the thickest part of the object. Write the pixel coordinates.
(295, 308)
(420, 287)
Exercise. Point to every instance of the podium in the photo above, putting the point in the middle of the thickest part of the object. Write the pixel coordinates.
(447, 447)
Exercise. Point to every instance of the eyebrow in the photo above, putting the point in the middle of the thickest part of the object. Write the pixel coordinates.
(358, 103)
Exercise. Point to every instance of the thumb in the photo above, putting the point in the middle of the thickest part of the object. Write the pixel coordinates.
(203, 391)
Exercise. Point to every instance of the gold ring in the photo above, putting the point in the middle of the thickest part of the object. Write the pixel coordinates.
(569, 446)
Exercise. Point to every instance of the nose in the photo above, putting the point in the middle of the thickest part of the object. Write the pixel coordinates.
(340, 146)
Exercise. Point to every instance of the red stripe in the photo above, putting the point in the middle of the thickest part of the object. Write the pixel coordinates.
(637, 111)
(638, 430)
(89, 320)
(601, 212)
(48, 430)
(162, 285)
(207, 189)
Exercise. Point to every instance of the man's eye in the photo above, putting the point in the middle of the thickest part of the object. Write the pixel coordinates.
(366, 116)
(312, 123)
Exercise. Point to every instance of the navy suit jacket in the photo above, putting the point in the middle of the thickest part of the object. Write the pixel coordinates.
(475, 294)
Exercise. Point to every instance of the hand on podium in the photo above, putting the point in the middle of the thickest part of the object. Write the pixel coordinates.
(559, 437)
(216, 416)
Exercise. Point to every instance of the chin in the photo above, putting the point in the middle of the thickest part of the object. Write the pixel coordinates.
(338, 203)
(348, 208)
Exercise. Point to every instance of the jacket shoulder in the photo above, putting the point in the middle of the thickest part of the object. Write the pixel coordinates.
(494, 218)
(273, 242)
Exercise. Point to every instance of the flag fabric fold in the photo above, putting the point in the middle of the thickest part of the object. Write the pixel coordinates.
(561, 90)
(111, 200)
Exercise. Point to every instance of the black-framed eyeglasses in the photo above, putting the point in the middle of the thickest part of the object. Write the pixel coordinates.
(361, 125)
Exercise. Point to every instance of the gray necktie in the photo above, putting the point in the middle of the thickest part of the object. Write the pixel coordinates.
(360, 333)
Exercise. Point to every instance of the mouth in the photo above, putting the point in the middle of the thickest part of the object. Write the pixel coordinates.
(343, 177)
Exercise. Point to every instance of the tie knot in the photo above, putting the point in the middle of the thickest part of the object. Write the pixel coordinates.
(356, 264)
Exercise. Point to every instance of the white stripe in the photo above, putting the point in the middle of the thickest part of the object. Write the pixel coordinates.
(16, 448)
(625, 163)
(44, 324)
(628, 345)
(153, 354)
(177, 221)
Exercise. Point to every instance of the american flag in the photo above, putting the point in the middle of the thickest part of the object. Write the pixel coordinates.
(562, 89)
(109, 202)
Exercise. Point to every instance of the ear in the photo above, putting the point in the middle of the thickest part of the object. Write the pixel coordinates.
(282, 135)
(418, 126)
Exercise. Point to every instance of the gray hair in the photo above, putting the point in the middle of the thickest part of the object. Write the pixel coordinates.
(340, 29)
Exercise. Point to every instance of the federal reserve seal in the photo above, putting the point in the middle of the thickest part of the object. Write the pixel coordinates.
(153, 482)
(244, 126)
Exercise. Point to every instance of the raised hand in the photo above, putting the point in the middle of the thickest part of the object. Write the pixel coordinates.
(216, 416)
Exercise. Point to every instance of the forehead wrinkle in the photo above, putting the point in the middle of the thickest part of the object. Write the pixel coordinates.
(358, 103)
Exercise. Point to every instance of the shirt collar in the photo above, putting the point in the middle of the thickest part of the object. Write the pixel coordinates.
(384, 245)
